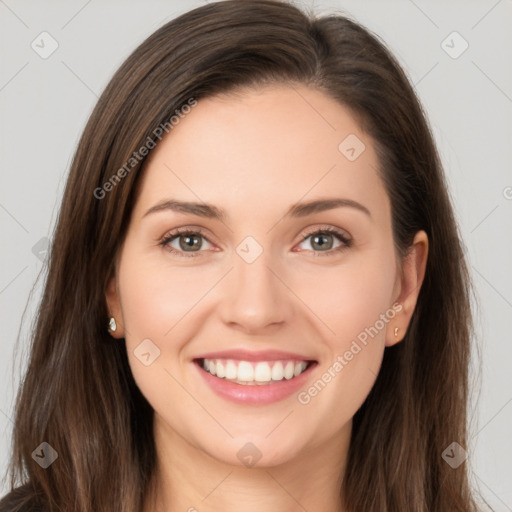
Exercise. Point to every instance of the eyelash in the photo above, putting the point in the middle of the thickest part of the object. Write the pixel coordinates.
(169, 237)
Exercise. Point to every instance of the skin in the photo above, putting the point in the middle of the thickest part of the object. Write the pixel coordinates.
(254, 154)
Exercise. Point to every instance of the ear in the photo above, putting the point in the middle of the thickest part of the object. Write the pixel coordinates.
(409, 285)
(114, 307)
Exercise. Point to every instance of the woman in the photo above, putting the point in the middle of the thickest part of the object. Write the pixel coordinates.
(239, 368)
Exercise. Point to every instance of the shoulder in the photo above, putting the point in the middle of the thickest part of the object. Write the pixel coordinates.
(20, 499)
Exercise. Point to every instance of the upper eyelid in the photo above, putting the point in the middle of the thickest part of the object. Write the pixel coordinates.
(327, 229)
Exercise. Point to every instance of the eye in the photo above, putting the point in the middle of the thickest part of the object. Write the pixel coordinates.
(189, 242)
(324, 239)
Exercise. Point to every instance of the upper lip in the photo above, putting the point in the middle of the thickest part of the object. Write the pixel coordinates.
(250, 355)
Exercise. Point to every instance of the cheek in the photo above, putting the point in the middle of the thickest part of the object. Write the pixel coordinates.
(156, 296)
(351, 297)
(164, 303)
(156, 300)
(355, 303)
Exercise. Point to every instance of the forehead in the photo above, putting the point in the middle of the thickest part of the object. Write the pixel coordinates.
(263, 148)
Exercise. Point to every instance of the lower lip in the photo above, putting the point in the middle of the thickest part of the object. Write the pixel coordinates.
(255, 394)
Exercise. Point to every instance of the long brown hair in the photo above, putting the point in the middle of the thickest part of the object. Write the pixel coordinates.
(78, 394)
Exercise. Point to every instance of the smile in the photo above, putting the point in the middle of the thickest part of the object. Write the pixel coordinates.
(254, 382)
(252, 372)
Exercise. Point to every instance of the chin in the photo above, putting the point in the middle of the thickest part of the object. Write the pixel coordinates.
(253, 451)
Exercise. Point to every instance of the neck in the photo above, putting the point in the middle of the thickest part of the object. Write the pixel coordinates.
(187, 479)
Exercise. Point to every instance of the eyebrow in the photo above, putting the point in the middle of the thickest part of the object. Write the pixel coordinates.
(296, 210)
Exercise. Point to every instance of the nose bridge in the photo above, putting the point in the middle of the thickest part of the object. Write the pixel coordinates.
(255, 297)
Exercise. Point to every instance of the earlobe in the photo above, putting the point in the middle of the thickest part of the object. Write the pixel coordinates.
(394, 334)
(112, 325)
(114, 321)
(413, 274)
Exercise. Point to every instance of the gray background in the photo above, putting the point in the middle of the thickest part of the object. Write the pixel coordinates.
(45, 103)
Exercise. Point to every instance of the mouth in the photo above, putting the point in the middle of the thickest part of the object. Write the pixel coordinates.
(254, 373)
(254, 382)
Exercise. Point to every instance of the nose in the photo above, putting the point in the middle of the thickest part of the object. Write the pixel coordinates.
(254, 296)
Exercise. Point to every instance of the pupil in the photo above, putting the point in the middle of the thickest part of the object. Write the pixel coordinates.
(190, 241)
(321, 244)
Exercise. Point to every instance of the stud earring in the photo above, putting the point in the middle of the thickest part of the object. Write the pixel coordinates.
(396, 332)
(112, 326)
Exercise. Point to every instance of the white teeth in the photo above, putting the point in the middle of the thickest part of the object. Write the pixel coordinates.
(262, 372)
(245, 371)
(288, 370)
(231, 370)
(220, 369)
(277, 371)
(299, 368)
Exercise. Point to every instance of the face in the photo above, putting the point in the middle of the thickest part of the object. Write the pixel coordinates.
(254, 286)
